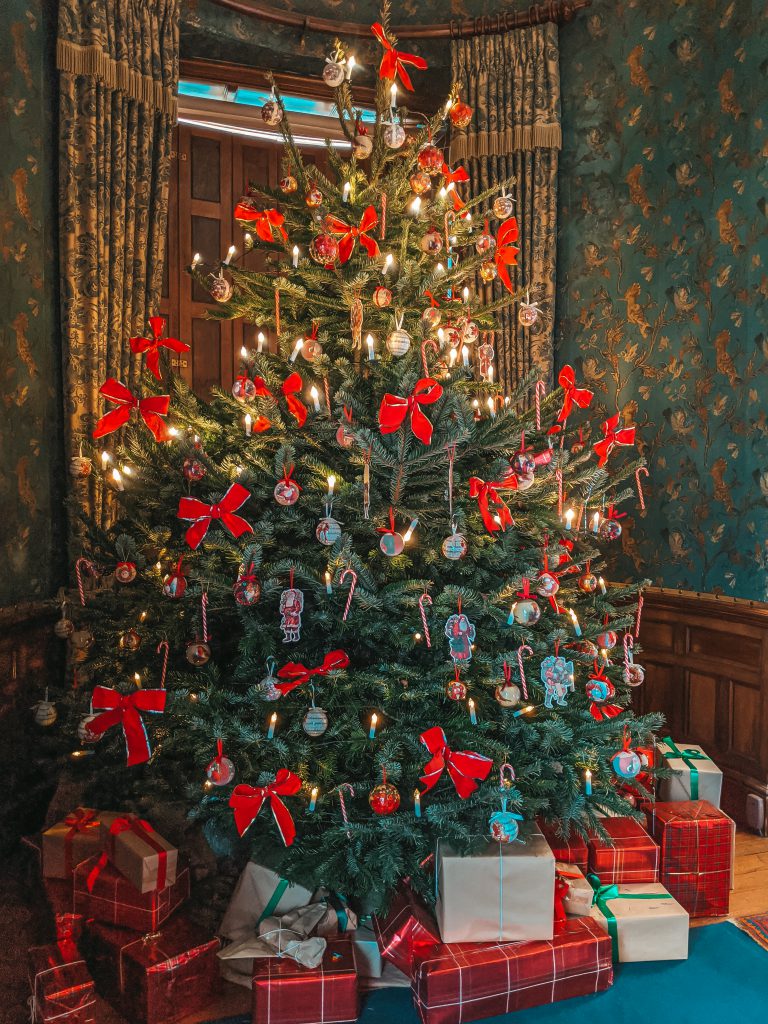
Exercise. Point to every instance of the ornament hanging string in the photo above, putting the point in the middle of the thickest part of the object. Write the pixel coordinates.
(353, 577)
(80, 565)
(640, 495)
(521, 652)
(639, 613)
(340, 790)
(424, 600)
(539, 393)
(165, 648)
(204, 615)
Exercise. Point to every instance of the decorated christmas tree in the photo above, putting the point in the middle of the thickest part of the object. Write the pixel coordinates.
(364, 588)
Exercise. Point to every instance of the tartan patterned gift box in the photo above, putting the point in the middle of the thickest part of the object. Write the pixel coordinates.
(62, 988)
(107, 896)
(284, 992)
(696, 841)
(407, 924)
(461, 982)
(632, 857)
(572, 850)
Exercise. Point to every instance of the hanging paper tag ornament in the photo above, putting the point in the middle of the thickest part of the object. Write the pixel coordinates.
(503, 824)
(175, 583)
(461, 635)
(456, 689)
(124, 709)
(246, 802)
(557, 677)
(151, 346)
(247, 589)
(291, 607)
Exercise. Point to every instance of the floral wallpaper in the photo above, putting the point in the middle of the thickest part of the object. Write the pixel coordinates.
(662, 275)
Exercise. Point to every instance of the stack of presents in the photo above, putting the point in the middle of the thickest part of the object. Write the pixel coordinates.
(517, 925)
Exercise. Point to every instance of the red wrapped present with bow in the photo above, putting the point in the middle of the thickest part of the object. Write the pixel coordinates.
(572, 850)
(696, 841)
(62, 987)
(284, 992)
(101, 892)
(139, 853)
(630, 857)
(156, 977)
(461, 982)
(76, 837)
(407, 925)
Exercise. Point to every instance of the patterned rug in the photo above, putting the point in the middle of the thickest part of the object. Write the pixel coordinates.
(757, 927)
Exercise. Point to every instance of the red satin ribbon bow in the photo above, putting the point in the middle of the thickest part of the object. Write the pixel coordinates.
(465, 767)
(224, 510)
(246, 802)
(290, 388)
(571, 396)
(452, 178)
(506, 252)
(295, 673)
(394, 409)
(350, 234)
(264, 221)
(602, 709)
(123, 709)
(393, 62)
(487, 493)
(624, 436)
(153, 345)
(151, 410)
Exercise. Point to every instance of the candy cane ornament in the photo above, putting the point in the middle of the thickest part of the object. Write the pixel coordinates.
(425, 599)
(80, 564)
(559, 479)
(539, 393)
(340, 790)
(629, 643)
(353, 576)
(165, 648)
(640, 495)
(204, 615)
(521, 652)
(429, 343)
(505, 783)
(639, 613)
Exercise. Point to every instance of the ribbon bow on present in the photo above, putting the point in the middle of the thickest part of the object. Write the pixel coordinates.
(151, 409)
(506, 252)
(571, 396)
(394, 409)
(465, 767)
(224, 510)
(604, 893)
(623, 436)
(123, 709)
(295, 673)
(142, 828)
(393, 62)
(246, 802)
(687, 755)
(487, 494)
(264, 221)
(153, 345)
(350, 234)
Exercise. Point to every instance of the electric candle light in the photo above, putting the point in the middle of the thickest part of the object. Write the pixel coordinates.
(249, 239)
(452, 356)
(442, 193)
(416, 205)
(104, 461)
(243, 352)
(439, 269)
(296, 349)
(523, 711)
(489, 375)
(440, 337)
(393, 95)
(295, 256)
(372, 730)
(472, 712)
(260, 339)
(389, 259)
(230, 253)
(248, 424)
(117, 478)
(409, 532)
(272, 724)
(197, 258)
(315, 398)
(465, 355)
(313, 799)
(351, 62)
(601, 582)
(417, 803)
(137, 680)
(465, 294)
(595, 522)
(369, 343)
(345, 192)
(331, 485)
(492, 407)
(588, 782)
(569, 518)
(328, 587)
(173, 431)
(575, 622)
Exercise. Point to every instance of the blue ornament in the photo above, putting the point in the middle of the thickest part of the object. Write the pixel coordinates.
(627, 764)
(504, 826)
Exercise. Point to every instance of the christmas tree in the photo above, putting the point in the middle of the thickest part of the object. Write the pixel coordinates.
(373, 575)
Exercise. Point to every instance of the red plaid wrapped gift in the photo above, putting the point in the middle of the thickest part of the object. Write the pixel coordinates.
(572, 850)
(467, 981)
(632, 856)
(154, 978)
(139, 852)
(284, 992)
(408, 924)
(62, 988)
(696, 841)
(102, 893)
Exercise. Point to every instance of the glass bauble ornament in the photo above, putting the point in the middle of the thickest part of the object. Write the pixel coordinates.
(609, 529)
(431, 242)
(633, 674)
(286, 492)
(578, 447)
(384, 798)
(324, 249)
(470, 332)
(627, 764)
(454, 547)
(244, 390)
(314, 196)
(485, 243)
(328, 530)
(268, 688)
(420, 182)
(333, 73)
(430, 159)
(489, 271)
(508, 695)
(272, 113)
(125, 572)
(246, 589)
(504, 826)
(315, 721)
(599, 690)
(587, 583)
(398, 342)
(523, 462)
(288, 185)
(503, 207)
(525, 480)
(84, 734)
(82, 640)
(451, 335)
(460, 114)
(80, 467)
(129, 642)
(391, 544)
(344, 436)
(220, 771)
(363, 146)
(547, 584)
(456, 690)
(381, 296)
(197, 653)
(312, 350)
(175, 585)
(607, 639)
(193, 470)
(394, 135)
(221, 288)
(64, 628)
(526, 612)
(45, 712)
(585, 647)
(431, 316)
(528, 314)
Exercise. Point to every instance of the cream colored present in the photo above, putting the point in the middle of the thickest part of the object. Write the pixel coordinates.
(695, 775)
(644, 921)
(577, 901)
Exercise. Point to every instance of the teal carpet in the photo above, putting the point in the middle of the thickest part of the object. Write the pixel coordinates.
(724, 979)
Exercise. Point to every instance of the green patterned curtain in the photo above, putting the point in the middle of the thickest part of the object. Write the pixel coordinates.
(118, 75)
(512, 83)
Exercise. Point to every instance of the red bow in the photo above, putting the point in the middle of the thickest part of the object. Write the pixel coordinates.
(465, 767)
(562, 885)
(151, 409)
(394, 409)
(488, 492)
(506, 253)
(80, 820)
(451, 178)
(264, 221)
(202, 514)
(290, 388)
(153, 345)
(350, 234)
(571, 396)
(393, 62)
(246, 802)
(295, 673)
(123, 709)
(624, 436)
(600, 709)
(141, 828)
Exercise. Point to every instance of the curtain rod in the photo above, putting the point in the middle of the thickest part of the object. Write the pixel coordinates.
(536, 14)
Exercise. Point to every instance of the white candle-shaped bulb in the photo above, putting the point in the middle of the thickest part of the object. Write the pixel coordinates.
(601, 583)
(393, 95)
(440, 336)
(331, 485)
(465, 355)
(468, 218)
(595, 522)
(296, 349)
(243, 352)
(409, 532)
(230, 253)
(104, 460)
(448, 104)
(439, 269)
(389, 259)
(173, 431)
(489, 375)
(313, 799)
(492, 407)
(442, 193)
(248, 238)
(369, 345)
(465, 294)
(328, 587)
(372, 730)
(260, 339)
(575, 622)
(351, 62)
(197, 258)
(295, 256)
(315, 398)
(569, 518)
(472, 712)
(248, 424)
(416, 204)
(417, 803)
(345, 192)
(117, 478)
(588, 782)
(452, 356)
(137, 679)
(126, 470)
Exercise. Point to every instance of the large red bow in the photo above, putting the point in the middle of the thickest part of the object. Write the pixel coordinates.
(350, 234)
(224, 510)
(246, 802)
(465, 767)
(290, 389)
(393, 62)
(571, 396)
(487, 492)
(295, 673)
(123, 709)
(151, 410)
(153, 345)
(451, 178)
(506, 252)
(264, 221)
(624, 435)
(394, 409)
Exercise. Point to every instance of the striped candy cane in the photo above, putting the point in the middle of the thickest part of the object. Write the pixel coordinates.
(629, 643)
(506, 767)
(340, 790)
(80, 564)
(353, 576)
(559, 479)
(425, 599)
(204, 615)
(539, 393)
(521, 652)
(429, 343)
(639, 613)
(165, 648)
(640, 496)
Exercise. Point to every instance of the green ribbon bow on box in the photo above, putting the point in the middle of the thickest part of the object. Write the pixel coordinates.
(687, 755)
(604, 893)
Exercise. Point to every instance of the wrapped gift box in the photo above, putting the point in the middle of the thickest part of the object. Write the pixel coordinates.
(644, 922)
(632, 857)
(139, 852)
(695, 775)
(286, 993)
(62, 988)
(68, 842)
(572, 850)
(114, 900)
(697, 843)
(505, 892)
(577, 898)
(407, 924)
(463, 982)
(154, 978)
(365, 949)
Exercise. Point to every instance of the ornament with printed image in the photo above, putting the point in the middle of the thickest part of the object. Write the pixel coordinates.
(82, 640)
(382, 296)
(529, 312)
(44, 712)
(485, 243)
(607, 639)
(291, 608)
(557, 675)
(175, 583)
(198, 652)
(420, 182)
(335, 69)
(313, 196)
(431, 315)
(610, 527)
(220, 287)
(454, 547)
(633, 674)
(398, 340)
(508, 693)
(503, 824)
(488, 271)
(125, 572)
(600, 691)
(470, 332)
(456, 689)
(272, 112)
(247, 588)
(268, 686)
(461, 634)
(193, 470)
(526, 611)
(485, 357)
(391, 542)
(394, 134)
(363, 145)
(451, 335)
(221, 770)
(328, 530)
(84, 734)
(503, 206)
(80, 466)
(287, 490)
(243, 389)
(431, 242)
(626, 762)
(129, 642)
(587, 582)
(288, 184)
(315, 721)
(547, 584)
(345, 438)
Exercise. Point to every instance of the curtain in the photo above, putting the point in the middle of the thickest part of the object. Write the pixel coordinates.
(512, 83)
(118, 74)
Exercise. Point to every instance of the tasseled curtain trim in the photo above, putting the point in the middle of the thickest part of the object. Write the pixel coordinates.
(510, 140)
(92, 62)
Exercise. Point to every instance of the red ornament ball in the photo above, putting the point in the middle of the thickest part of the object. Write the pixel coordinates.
(431, 242)
(125, 572)
(288, 184)
(456, 690)
(587, 583)
(220, 771)
(193, 470)
(324, 249)
(175, 585)
(384, 798)
(420, 182)
(489, 271)
(460, 114)
(314, 196)
(607, 639)
(610, 529)
(382, 296)
(430, 159)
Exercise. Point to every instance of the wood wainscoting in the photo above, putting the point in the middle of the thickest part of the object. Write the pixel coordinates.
(706, 661)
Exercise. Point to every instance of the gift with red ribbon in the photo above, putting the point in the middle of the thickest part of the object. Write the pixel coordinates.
(140, 853)
(61, 985)
(506, 252)
(393, 62)
(69, 841)
(151, 346)
(112, 898)
(264, 222)
(350, 234)
(407, 924)
(394, 409)
(290, 389)
(465, 767)
(487, 495)
(125, 709)
(224, 511)
(284, 992)
(572, 395)
(613, 435)
(573, 892)
(151, 409)
(295, 674)
(628, 856)
(246, 802)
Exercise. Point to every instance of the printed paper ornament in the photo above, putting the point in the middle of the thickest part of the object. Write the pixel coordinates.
(193, 470)
(470, 332)
(430, 159)
(84, 734)
(197, 653)
(456, 689)
(247, 588)
(328, 530)
(607, 639)
(526, 612)
(394, 135)
(587, 583)
(523, 463)
(287, 490)
(454, 547)
(244, 389)
(558, 679)
(291, 608)
(313, 197)
(381, 296)
(363, 146)
(528, 314)
(627, 763)
(272, 113)
(391, 543)
(221, 770)
(452, 335)
(333, 72)
(420, 182)
(175, 583)
(508, 694)
(431, 242)
(461, 635)
(431, 316)
(64, 627)
(288, 185)
(547, 584)
(632, 674)
(315, 721)
(125, 572)
(221, 288)
(503, 207)
(344, 436)
(398, 341)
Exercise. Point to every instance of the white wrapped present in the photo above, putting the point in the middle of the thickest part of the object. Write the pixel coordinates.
(695, 775)
(577, 899)
(644, 921)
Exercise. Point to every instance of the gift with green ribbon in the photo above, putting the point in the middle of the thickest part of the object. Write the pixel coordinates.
(669, 940)
(689, 756)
